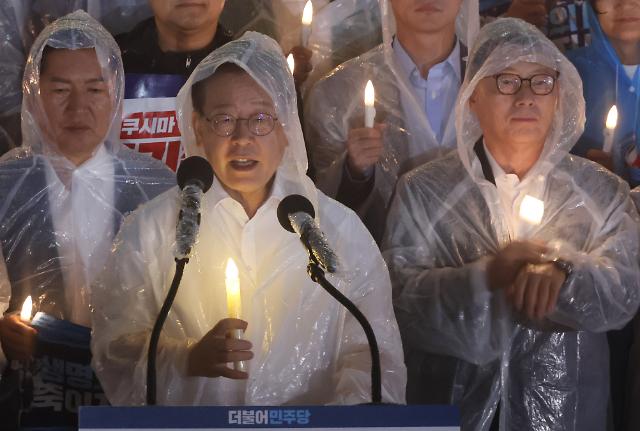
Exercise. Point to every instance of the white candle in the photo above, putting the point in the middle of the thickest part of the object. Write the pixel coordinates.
(291, 63)
(610, 129)
(234, 304)
(369, 104)
(27, 306)
(531, 210)
(307, 18)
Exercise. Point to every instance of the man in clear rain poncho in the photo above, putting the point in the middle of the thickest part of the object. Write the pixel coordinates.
(416, 73)
(238, 109)
(65, 192)
(520, 294)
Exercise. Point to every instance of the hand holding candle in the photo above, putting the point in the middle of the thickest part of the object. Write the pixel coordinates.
(369, 105)
(234, 304)
(307, 18)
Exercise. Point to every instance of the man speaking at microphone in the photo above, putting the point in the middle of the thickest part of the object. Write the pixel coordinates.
(299, 346)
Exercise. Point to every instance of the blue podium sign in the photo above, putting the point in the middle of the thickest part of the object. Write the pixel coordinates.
(362, 418)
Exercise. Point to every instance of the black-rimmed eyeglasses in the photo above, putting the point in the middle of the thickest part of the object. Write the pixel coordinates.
(541, 84)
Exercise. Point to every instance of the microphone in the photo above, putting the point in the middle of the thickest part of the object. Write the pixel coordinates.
(296, 214)
(195, 177)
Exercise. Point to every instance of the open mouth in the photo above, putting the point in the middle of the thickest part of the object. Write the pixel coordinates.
(243, 164)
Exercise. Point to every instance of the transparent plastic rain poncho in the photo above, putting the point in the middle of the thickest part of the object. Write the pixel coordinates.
(307, 349)
(606, 83)
(446, 222)
(336, 104)
(55, 239)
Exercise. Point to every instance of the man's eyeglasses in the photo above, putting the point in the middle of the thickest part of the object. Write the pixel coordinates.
(541, 84)
(259, 124)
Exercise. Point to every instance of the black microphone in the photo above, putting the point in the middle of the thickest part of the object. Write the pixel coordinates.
(195, 177)
(296, 214)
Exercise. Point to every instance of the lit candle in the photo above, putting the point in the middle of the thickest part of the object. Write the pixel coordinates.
(307, 18)
(369, 108)
(610, 129)
(25, 316)
(531, 209)
(27, 306)
(234, 304)
(291, 63)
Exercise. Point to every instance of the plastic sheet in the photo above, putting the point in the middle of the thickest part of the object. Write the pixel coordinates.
(447, 221)
(110, 183)
(335, 105)
(635, 195)
(58, 217)
(307, 350)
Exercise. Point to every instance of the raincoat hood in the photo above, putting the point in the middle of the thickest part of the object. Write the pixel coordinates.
(77, 30)
(261, 57)
(503, 43)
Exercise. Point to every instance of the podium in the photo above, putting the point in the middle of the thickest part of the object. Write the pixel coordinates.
(362, 418)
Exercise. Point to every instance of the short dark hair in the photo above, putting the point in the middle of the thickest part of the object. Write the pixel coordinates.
(198, 90)
(45, 53)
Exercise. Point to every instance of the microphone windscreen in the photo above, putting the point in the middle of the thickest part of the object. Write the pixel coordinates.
(293, 204)
(195, 168)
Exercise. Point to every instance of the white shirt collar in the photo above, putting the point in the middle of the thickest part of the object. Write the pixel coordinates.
(99, 166)
(498, 173)
(217, 195)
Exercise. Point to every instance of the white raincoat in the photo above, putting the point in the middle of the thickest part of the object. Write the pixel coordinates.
(56, 238)
(446, 222)
(336, 104)
(308, 350)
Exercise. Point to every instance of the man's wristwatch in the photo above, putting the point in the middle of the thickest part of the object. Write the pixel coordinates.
(563, 265)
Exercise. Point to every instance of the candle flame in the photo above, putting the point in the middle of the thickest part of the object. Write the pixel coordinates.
(531, 209)
(369, 94)
(25, 313)
(231, 272)
(291, 63)
(612, 118)
(307, 13)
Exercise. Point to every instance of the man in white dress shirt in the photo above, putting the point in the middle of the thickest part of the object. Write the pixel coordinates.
(66, 190)
(511, 255)
(239, 110)
(416, 73)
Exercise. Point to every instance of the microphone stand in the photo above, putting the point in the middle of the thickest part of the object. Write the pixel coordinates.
(317, 275)
(157, 329)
